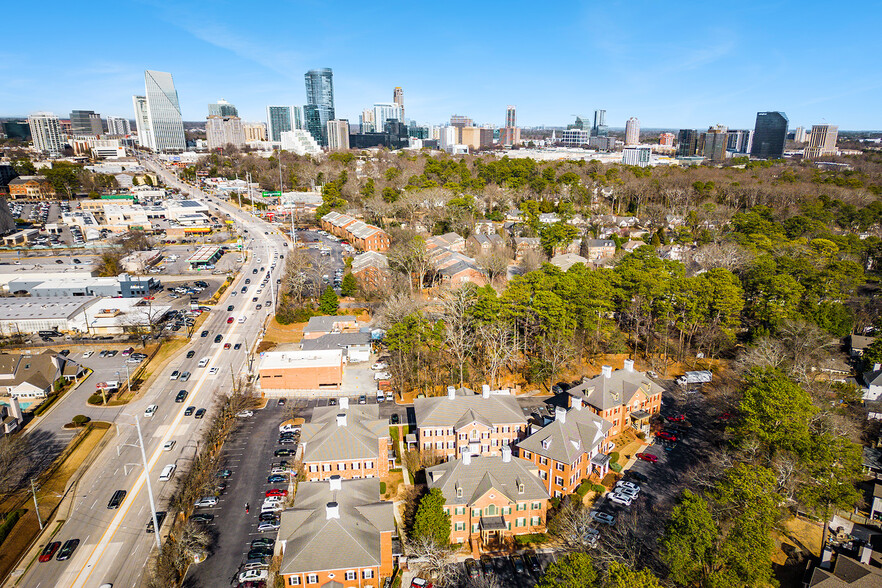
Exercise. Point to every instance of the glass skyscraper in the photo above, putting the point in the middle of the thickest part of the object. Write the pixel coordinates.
(222, 108)
(84, 123)
(165, 126)
(769, 135)
(280, 119)
(319, 107)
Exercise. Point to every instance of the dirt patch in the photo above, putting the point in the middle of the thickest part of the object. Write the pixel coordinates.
(394, 481)
(49, 495)
(277, 334)
(798, 541)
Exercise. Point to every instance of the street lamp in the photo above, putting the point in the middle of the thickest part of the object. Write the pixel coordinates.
(147, 481)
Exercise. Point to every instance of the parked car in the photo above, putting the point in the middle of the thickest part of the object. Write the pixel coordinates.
(666, 436)
(637, 476)
(647, 457)
(382, 376)
(206, 502)
(626, 484)
(276, 479)
(244, 414)
(284, 452)
(472, 568)
(266, 517)
(276, 492)
(268, 527)
(394, 419)
(420, 583)
(518, 562)
(224, 474)
(262, 551)
(676, 418)
(49, 551)
(202, 517)
(622, 499)
(533, 563)
(379, 366)
(603, 517)
(487, 565)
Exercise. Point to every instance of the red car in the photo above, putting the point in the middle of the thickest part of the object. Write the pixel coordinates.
(230, 320)
(49, 551)
(647, 457)
(677, 418)
(276, 492)
(666, 436)
(227, 345)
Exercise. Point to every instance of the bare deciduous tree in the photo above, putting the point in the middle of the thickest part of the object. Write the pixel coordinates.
(432, 559)
(459, 333)
(497, 344)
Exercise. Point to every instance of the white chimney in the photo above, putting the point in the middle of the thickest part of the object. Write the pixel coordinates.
(15, 408)
(344, 403)
(865, 553)
(629, 365)
(576, 403)
(506, 454)
(336, 482)
(560, 414)
(606, 371)
(332, 511)
(341, 420)
(451, 392)
(877, 367)
(485, 390)
(466, 457)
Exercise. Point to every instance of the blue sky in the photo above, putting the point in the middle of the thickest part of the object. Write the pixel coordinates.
(680, 63)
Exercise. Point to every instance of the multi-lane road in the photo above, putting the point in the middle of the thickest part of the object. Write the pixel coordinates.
(114, 546)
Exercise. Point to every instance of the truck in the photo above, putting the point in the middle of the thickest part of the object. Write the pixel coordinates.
(698, 377)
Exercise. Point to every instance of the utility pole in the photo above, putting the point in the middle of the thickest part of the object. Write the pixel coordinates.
(36, 506)
(149, 487)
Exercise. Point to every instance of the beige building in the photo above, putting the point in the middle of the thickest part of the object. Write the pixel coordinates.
(254, 132)
(338, 135)
(221, 131)
(632, 131)
(821, 141)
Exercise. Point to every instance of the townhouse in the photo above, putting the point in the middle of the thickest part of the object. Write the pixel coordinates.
(347, 441)
(371, 269)
(360, 234)
(491, 498)
(625, 397)
(338, 533)
(464, 421)
(569, 449)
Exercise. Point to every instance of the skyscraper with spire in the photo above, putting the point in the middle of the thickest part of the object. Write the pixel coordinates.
(398, 98)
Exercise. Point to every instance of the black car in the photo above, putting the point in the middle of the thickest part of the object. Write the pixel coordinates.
(204, 334)
(533, 563)
(64, 352)
(182, 395)
(263, 542)
(116, 499)
(190, 410)
(260, 552)
(68, 549)
(199, 413)
(472, 567)
(202, 517)
(160, 517)
(237, 346)
(332, 402)
(283, 452)
(276, 479)
(281, 402)
(637, 476)
(224, 473)
(267, 517)
(487, 565)
(230, 308)
(218, 338)
(190, 354)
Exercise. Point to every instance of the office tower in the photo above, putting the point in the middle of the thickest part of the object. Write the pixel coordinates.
(449, 138)
(338, 135)
(17, 130)
(821, 141)
(118, 126)
(511, 119)
(769, 135)
(510, 134)
(638, 156)
(222, 108)
(599, 129)
(366, 121)
(738, 141)
(398, 98)
(715, 141)
(384, 112)
(632, 131)
(280, 119)
(46, 133)
(158, 114)
(221, 131)
(687, 143)
(85, 123)
(254, 132)
(579, 125)
(575, 137)
(458, 120)
(319, 107)
(799, 135)
(666, 139)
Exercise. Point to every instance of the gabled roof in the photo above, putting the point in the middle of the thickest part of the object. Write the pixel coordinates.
(442, 411)
(603, 393)
(848, 573)
(39, 370)
(313, 542)
(483, 475)
(873, 378)
(564, 441)
(459, 267)
(567, 260)
(369, 259)
(324, 440)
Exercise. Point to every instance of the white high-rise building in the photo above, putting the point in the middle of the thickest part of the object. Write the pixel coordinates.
(449, 138)
(300, 141)
(632, 131)
(384, 111)
(638, 156)
(46, 133)
(366, 121)
(163, 129)
(118, 126)
(338, 135)
(821, 141)
(221, 131)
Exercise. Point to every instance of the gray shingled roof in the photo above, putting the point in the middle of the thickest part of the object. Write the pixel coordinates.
(369, 259)
(314, 543)
(847, 573)
(336, 341)
(325, 324)
(441, 411)
(873, 378)
(618, 389)
(484, 474)
(581, 432)
(324, 440)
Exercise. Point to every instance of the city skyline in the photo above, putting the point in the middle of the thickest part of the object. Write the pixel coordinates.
(668, 67)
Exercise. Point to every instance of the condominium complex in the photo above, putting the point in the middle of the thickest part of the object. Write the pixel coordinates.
(46, 133)
(158, 114)
(254, 132)
(221, 131)
(280, 119)
(338, 135)
(118, 126)
(398, 98)
(510, 133)
(632, 131)
(319, 107)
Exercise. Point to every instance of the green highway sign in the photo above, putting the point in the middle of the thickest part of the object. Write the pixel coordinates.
(272, 194)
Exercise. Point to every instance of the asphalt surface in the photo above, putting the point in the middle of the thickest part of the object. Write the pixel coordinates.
(114, 546)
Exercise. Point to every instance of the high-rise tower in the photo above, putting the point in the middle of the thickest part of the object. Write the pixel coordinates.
(158, 113)
(769, 135)
(398, 98)
(319, 107)
(46, 133)
(632, 131)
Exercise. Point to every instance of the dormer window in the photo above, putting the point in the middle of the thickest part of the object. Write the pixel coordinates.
(459, 492)
(520, 488)
(546, 443)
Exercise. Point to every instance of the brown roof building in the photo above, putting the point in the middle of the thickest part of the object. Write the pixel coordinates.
(32, 187)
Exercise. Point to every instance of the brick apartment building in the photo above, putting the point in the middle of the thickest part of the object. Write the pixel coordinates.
(31, 187)
(338, 533)
(624, 397)
(359, 234)
(347, 441)
(569, 449)
(491, 498)
(462, 420)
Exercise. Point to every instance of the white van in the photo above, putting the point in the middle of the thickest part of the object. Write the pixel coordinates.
(167, 472)
(204, 361)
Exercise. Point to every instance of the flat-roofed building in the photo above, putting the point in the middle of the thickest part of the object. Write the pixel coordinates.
(282, 371)
(27, 315)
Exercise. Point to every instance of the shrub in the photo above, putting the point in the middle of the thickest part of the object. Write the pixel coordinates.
(80, 420)
(583, 488)
(382, 487)
(95, 399)
(599, 488)
(614, 456)
(616, 467)
(531, 538)
(10, 521)
(641, 435)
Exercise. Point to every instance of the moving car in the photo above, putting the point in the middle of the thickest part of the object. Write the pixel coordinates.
(230, 320)
(218, 338)
(203, 334)
(199, 413)
(175, 374)
(185, 376)
(190, 354)
(116, 499)
(160, 517)
(168, 445)
(49, 551)
(68, 549)
(182, 395)
(190, 410)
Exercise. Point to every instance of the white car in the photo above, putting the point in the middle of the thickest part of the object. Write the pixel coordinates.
(629, 492)
(168, 445)
(379, 366)
(206, 502)
(244, 414)
(631, 485)
(620, 499)
(241, 319)
(253, 576)
(175, 374)
(87, 354)
(150, 410)
(382, 376)
(213, 371)
(273, 499)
